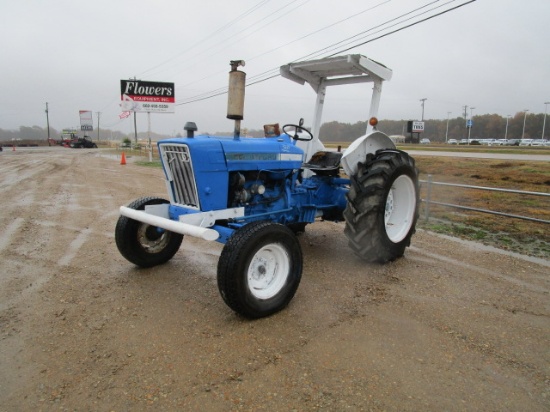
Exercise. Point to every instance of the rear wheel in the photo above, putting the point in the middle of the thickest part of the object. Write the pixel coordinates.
(260, 268)
(382, 207)
(143, 244)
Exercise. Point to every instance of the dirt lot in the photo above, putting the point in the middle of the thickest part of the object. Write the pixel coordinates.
(452, 326)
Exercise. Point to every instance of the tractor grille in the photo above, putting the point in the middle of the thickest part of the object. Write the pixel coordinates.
(179, 168)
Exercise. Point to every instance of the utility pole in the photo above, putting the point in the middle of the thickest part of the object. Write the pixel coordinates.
(98, 116)
(544, 122)
(524, 119)
(465, 117)
(423, 100)
(48, 123)
(471, 122)
(506, 131)
(135, 122)
(135, 129)
(447, 132)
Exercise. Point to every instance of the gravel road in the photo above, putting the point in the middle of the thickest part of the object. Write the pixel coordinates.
(452, 326)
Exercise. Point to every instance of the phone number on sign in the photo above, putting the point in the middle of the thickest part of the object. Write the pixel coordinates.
(155, 106)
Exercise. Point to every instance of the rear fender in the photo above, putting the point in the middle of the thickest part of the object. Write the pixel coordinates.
(358, 150)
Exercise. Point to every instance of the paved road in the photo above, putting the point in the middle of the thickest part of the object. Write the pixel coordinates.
(478, 155)
(505, 156)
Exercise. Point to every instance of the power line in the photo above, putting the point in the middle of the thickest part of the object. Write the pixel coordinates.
(291, 42)
(219, 30)
(223, 44)
(380, 27)
(269, 74)
(320, 30)
(260, 77)
(222, 90)
(246, 36)
(318, 52)
(405, 27)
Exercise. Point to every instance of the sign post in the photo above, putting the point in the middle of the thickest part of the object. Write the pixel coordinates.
(469, 125)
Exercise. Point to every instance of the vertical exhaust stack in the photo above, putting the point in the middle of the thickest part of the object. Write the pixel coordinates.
(190, 128)
(235, 95)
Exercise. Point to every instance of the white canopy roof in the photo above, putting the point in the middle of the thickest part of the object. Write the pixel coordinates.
(352, 68)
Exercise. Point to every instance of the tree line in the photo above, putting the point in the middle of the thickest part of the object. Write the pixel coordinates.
(40, 134)
(487, 126)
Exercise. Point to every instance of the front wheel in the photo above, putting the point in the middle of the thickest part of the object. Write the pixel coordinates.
(260, 268)
(142, 244)
(382, 207)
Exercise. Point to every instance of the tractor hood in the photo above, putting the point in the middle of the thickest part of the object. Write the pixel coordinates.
(245, 153)
(198, 168)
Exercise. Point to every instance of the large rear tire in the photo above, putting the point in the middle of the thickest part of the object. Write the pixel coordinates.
(260, 268)
(382, 207)
(142, 244)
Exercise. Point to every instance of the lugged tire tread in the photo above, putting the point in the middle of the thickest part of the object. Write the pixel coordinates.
(364, 213)
(231, 283)
(129, 248)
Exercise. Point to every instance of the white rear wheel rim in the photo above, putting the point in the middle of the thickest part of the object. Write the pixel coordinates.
(400, 208)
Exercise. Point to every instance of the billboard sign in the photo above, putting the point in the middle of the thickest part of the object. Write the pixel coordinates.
(145, 96)
(86, 120)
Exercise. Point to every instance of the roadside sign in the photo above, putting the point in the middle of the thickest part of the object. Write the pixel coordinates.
(145, 96)
(86, 120)
(415, 127)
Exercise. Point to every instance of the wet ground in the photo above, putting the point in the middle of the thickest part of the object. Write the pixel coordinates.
(451, 326)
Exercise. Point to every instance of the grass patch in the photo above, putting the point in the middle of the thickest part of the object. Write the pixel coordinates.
(530, 246)
(455, 229)
(523, 236)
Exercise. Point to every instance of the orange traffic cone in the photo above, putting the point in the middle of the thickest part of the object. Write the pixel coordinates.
(123, 159)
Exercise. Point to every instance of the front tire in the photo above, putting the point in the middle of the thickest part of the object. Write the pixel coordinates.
(382, 207)
(142, 244)
(260, 268)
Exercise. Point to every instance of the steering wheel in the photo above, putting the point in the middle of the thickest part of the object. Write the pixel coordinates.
(296, 128)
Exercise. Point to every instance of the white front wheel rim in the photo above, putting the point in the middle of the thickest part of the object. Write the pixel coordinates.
(268, 271)
(400, 208)
(151, 238)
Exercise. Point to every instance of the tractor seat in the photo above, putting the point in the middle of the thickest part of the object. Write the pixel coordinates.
(324, 162)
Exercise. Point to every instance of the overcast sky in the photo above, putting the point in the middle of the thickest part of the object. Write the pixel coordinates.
(490, 54)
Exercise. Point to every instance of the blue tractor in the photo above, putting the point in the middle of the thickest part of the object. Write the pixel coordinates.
(254, 195)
